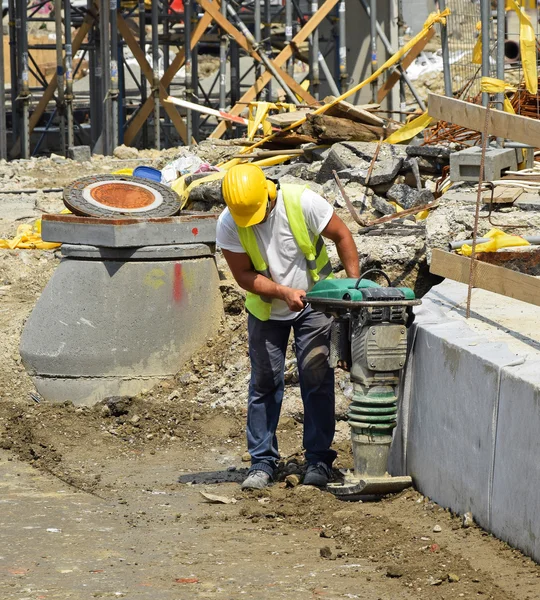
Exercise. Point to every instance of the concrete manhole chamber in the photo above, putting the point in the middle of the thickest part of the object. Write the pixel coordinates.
(130, 302)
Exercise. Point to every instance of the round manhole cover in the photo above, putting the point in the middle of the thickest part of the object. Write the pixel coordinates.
(119, 196)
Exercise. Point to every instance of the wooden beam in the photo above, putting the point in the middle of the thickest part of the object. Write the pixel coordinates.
(48, 94)
(411, 56)
(241, 40)
(279, 61)
(473, 116)
(146, 109)
(487, 277)
(140, 57)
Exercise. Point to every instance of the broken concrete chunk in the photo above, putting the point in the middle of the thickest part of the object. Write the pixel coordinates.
(383, 172)
(382, 206)
(207, 193)
(441, 152)
(408, 197)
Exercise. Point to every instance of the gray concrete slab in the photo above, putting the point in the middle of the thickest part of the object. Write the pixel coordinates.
(121, 233)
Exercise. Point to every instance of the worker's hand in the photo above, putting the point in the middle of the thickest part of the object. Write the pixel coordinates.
(295, 299)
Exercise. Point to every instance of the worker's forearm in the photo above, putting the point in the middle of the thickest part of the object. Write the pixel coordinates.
(348, 254)
(258, 284)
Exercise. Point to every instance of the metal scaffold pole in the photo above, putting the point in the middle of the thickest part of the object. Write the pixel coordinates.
(143, 81)
(3, 124)
(23, 71)
(223, 43)
(257, 32)
(373, 38)
(445, 54)
(187, 66)
(155, 68)
(105, 59)
(195, 77)
(60, 101)
(501, 32)
(68, 73)
(268, 44)
(15, 128)
(314, 54)
(343, 76)
(289, 33)
(114, 90)
(485, 14)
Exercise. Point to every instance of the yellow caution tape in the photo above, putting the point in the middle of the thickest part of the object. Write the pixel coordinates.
(491, 85)
(28, 237)
(498, 239)
(477, 50)
(409, 130)
(257, 113)
(527, 46)
(123, 172)
(434, 18)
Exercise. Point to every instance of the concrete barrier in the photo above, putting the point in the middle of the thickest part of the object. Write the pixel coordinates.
(470, 411)
(106, 327)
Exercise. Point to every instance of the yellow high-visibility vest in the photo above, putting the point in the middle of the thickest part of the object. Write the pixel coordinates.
(317, 260)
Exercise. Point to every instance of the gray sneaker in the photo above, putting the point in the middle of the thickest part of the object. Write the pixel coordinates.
(256, 480)
(318, 474)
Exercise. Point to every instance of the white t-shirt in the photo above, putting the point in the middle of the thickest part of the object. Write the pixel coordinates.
(278, 247)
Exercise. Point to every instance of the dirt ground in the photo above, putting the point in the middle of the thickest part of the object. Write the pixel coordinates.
(105, 502)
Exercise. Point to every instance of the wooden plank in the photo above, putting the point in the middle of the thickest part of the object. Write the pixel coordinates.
(487, 277)
(287, 118)
(241, 40)
(411, 56)
(346, 110)
(502, 194)
(279, 61)
(333, 129)
(146, 109)
(473, 116)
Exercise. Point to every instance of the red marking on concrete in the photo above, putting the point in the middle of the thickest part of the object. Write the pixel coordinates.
(178, 284)
(195, 231)
(186, 580)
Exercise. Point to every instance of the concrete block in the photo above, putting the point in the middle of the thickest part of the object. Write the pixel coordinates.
(197, 228)
(113, 327)
(465, 164)
(79, 153)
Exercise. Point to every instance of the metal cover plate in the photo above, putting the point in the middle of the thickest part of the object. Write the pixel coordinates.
(118, 196)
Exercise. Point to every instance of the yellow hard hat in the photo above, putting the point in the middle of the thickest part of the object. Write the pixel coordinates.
(246, 192)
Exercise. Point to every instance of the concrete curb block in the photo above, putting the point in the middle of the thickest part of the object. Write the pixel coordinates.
(469, 422)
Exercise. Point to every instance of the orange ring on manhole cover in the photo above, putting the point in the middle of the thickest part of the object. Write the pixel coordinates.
(122, 195)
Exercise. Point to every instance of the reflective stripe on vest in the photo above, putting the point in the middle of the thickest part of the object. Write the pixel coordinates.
(318, 263)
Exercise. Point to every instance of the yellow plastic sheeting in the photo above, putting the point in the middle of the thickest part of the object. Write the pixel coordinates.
(409, 130)
(527, 46)
(433, 19)
(28, 237)
(498, 240)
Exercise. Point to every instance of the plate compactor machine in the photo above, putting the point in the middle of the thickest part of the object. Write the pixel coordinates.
(368, 339)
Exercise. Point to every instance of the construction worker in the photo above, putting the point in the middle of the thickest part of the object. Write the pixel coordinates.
(271, 240)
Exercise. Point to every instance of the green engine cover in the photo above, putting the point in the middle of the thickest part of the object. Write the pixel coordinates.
(346, 289)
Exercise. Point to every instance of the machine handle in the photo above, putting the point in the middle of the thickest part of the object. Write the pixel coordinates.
(379, 271)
